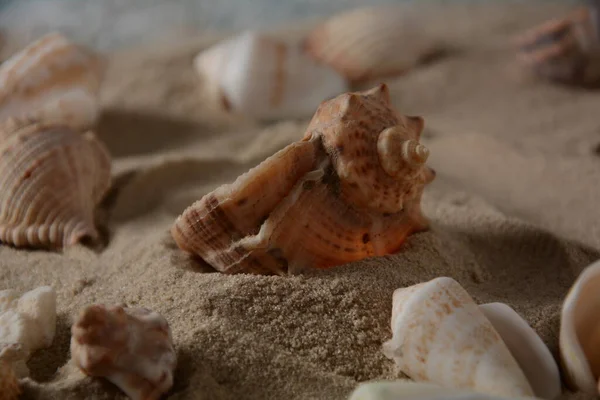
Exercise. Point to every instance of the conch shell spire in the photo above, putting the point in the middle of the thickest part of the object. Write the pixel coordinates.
(395, 149)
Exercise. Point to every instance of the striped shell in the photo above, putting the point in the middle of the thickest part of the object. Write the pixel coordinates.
(262, 77)
(9, 384)
(370, 43)
(565, 50)
(51, 179)
(52, 79)
(321, 202)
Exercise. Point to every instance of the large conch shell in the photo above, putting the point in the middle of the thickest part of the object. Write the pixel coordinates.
(441, 336)
(52, 80)
(259, 76)
(580, 332)
(370, 43)
(407, 390)
(565, 50)
(131, 347)
(337, 196)
(51, 179)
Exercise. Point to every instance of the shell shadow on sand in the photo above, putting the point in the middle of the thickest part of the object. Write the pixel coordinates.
(44, 363)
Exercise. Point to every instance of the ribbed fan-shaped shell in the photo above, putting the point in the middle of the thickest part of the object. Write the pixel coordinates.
(318, 203)
(52, 79)
(51, 179)
(370, 43)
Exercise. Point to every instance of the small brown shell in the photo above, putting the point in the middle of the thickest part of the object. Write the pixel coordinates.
(564, 50)
(131, 347)
(370, 43)
(9, 384)
(52, 79)
(51, 179)
(321, 202)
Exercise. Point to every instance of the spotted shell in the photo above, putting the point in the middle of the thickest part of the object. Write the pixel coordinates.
(565, 50)
(370, 43)
(51, 179)
(349, 189)
(52, 79)
(9, 384)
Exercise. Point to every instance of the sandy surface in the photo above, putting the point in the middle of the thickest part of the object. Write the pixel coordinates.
(513, 209)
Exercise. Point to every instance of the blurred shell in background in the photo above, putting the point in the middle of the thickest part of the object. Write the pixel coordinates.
(258, 76)
(365, 44)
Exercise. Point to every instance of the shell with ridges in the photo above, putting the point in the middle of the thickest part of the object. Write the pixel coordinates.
(262, 77)
(52, 80)
(51, 179)
(131, 347)
(441, 336)
(580, 331)
(320, 202)
(370, 43)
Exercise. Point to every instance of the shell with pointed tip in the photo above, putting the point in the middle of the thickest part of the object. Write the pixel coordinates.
(51, 179)
(441, 336)
(527, 348)
(52, 80)
(565, 50)
(131, 347)
(261, 77)
(9, 384)
(370, 43)
(407, 390)
(580, 331)
(324, 201)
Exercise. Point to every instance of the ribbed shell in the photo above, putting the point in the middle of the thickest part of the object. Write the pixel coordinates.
(52, 79)
(9, 384)
(370, 43)
(51, 179)
(296, 211)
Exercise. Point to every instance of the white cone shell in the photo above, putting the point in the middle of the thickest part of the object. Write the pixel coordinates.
(441, 336)
(527, 348)
(580, 330)
(267, 79)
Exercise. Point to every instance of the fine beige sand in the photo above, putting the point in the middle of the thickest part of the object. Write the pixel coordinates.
(514, 213)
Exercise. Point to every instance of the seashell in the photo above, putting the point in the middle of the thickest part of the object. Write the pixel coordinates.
(131, 347)
(370, 43)
(580, 332)
(407, 390)
(27, 324)
(259, 76)
(441, 336)
(52, 80)
(51, 179)
(321, 202)
(9, 384)
(565, 50)
(527, 348)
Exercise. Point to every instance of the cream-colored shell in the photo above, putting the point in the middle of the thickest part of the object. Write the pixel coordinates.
(51, 179)
(52, 80)
(259, 76)
(441, 336)
(580, 331)
(370, 43)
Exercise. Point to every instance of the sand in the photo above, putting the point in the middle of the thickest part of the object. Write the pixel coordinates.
(513, 212)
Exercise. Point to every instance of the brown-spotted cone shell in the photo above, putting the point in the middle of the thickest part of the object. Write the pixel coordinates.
(53, 80)
(350, 189)
(51, 179)
(565, 50)
(371, 43)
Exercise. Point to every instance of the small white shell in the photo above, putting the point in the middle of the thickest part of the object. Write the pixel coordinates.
(52, 80)
(580, 331)
(527, 348)
(441, 336)
(407, 390)
(259, 76)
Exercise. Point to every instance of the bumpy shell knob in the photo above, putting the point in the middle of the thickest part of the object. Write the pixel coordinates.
(395, 150)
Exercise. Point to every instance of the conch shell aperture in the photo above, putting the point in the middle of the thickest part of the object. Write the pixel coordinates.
(340, 194)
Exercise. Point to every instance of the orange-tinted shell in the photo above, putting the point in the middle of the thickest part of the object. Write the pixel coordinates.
(9, 384)
(321, 202)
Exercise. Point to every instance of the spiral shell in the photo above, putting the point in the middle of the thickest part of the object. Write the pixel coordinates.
(51, 179)
(370, 43)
